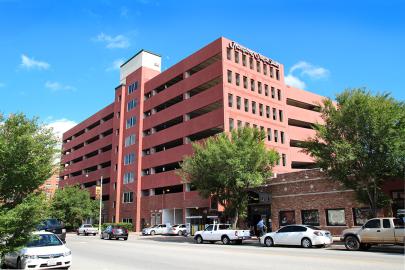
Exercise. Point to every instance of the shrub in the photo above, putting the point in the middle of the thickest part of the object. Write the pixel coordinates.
(128, 226)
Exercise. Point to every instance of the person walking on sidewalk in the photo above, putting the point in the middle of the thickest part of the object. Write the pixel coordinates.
(261, 227)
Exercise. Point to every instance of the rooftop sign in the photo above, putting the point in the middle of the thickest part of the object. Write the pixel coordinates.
(253, 54)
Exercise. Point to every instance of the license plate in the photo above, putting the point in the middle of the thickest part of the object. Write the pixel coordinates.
(52, 262)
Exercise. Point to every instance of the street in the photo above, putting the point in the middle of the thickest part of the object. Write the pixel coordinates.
(166, 252)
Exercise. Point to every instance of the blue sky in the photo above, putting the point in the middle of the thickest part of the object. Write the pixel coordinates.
(58, 59)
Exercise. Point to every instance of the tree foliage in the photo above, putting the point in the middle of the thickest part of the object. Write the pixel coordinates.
(361, 143)
(27, 150)
(72, 205)
(225, 166)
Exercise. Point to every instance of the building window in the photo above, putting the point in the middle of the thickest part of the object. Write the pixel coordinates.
(361, 215)
(254, 126)
(228, 53)
(131, 104)
(284, 160)
(229, 76)
(129, 159)
(128, 197)
(280, 115)
(230, 123)
(286, 218)
(128, 177)
(240, 124)
(278, 94)
(335, 217)
(132, 87)
(282, 137)
(264, 69)
(252, 84)
(237, 79)
(269, 134)
(130, 140)
(273, 92)
(230, 100)
(271, 72)
(253, 107)
(258, 66)
(245, 82)
(131, 122)
(267, 111)
(236, 57)
(275, 135)
(310, 217)
(277, 75)
(244, 60)
(127, 220)
(259, 87)
(251, 62)
(260, 109)
(238, 102)
(247, 124)
(274, 114)
(246, 105)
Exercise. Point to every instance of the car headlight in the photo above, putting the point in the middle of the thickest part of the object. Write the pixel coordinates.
(67, 253)
(26, 256)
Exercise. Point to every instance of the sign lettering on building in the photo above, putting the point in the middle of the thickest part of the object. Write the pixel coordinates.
(253, 54)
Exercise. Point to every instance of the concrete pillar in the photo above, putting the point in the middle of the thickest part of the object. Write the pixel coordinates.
(152, 150)
(186, 140)
(186, 95)
(152, 171)
(186, 117)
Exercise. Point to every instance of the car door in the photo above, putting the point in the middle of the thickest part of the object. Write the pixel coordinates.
(399, 228)
(371, 231)
(280, 237)
(294, 235)
(387, 231)
(207, 234)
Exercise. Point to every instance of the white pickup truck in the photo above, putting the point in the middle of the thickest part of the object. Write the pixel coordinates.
(87, 229)
(221, 232)
(375, 231)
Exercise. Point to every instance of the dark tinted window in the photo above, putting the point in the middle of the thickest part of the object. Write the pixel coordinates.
(297, 229)
(386, 223)
(399, 223)
(224, 227)
(209, 228)
(313, 227)
(44, 240)
(373, 224)
(164, 226)
(285, 229)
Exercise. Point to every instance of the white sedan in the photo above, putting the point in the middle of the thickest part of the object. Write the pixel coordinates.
(46, 251)
(298, 235)
(178, 229)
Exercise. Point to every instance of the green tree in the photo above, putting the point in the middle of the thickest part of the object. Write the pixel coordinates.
(226, 165)
(27, 151)
(72, 205)
(361, 143)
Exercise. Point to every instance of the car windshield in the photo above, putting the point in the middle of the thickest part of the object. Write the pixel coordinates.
(52, 222)
(44, 240)
(312, 227)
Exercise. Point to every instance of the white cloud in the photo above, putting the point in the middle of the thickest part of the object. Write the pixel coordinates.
(294, 81)
(309, 70)
(116, 64)
(60, 126)
(119, 41)
(56, 86)
(31, 63)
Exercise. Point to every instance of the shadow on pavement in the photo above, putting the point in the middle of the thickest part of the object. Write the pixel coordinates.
(390, 250)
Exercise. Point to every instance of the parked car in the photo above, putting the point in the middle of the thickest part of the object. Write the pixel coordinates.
(114, 232)
(178, 229)
(375, 231)
(54, 226)
(87, 229)
(221, 232)
(157, 229)
(46, 251)
(297, 235)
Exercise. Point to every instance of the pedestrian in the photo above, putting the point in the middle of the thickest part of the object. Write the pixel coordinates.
(260, 227)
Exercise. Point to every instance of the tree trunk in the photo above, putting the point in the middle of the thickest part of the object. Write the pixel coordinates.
(235, 220)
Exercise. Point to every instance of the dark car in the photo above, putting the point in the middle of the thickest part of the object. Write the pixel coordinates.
(114, 232)
(54, 226)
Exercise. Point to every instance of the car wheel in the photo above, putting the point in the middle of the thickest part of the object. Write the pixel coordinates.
(77, 233)
(352, 243)
(225, 240)
(125, 238)
(108, 237)
(152, 233)
(199, 239)
(268, 242)
(94, 234)
(85, 234)
(365, 247)
(306, 243)
(180, 233)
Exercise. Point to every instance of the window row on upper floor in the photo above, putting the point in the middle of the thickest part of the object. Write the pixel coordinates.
(257, 65)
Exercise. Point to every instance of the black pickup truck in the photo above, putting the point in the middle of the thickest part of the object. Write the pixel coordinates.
(54, 226)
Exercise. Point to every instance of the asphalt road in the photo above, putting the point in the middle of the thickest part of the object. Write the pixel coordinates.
(177, 252)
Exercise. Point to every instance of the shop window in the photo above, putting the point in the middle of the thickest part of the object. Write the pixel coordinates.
(361, 215)
(286, 218)
(310, 217)
(335, 217)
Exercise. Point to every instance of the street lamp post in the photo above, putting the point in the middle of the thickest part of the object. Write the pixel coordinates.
(101, 199)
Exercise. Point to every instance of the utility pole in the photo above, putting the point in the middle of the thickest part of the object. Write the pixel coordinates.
(101, 205)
